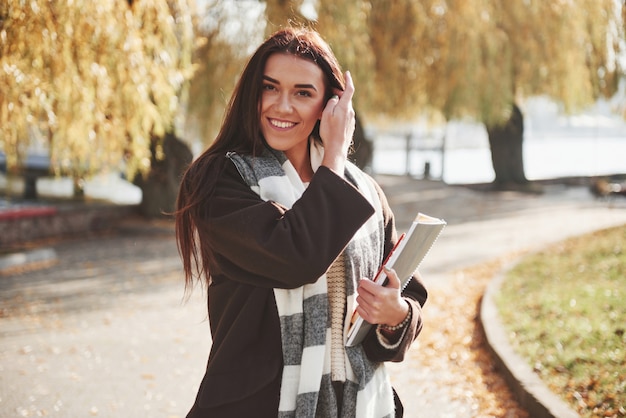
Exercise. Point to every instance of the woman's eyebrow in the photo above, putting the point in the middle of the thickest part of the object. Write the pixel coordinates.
(298, 86)
(270, 79)
(305, 86)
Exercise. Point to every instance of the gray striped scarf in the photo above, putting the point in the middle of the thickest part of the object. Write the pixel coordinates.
(306, 389)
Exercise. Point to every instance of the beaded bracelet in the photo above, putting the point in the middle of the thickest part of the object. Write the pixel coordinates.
(401, 325)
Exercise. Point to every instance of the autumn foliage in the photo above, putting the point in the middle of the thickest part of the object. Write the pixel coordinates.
(91, 80)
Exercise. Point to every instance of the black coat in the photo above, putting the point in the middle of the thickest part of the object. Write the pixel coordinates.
(257, 246)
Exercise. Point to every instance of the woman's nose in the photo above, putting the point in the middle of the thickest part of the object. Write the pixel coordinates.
(284, 103)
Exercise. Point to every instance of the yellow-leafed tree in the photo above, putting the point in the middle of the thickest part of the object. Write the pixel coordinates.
(100, 80)
(474, 59)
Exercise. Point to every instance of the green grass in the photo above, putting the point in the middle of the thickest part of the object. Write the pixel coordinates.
(565, 310)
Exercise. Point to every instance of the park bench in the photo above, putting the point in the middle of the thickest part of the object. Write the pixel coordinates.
(35, 166)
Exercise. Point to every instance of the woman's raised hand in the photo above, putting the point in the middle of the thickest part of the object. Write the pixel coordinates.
(337, 127)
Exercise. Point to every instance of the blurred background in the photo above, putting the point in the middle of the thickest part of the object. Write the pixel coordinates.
(111, 100)
(104, 103)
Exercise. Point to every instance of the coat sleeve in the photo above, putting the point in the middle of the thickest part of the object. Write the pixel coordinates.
(263, 243)
(415, 294)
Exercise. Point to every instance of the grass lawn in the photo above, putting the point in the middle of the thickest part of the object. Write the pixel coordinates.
(565, 310)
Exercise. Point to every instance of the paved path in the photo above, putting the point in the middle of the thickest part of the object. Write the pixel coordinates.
(104, 332)
(482, 227)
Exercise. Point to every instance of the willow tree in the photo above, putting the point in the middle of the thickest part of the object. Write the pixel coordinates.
(475, 59)
(100, 80)
(219, 59)
(481, 58)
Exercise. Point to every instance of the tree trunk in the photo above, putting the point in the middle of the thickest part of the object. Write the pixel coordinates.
(78, 188)
(160, 186)
(506, 143)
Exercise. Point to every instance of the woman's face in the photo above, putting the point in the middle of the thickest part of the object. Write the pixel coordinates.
(292, 102)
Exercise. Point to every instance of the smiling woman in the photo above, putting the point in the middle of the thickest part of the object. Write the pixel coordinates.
(286, 234)
(291, 105)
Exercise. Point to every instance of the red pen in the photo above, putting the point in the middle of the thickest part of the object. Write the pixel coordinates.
(378, 276)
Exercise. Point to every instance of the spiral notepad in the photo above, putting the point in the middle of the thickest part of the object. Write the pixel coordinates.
(405, 258)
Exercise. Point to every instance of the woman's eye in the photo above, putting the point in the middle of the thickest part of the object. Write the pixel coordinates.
(304, 93)
(268, 87)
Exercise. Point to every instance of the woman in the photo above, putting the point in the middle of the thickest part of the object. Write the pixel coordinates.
(286, 232)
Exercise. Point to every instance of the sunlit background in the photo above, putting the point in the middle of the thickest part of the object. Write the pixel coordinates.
(561, 138)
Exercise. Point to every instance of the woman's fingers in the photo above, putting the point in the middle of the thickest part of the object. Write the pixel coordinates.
(339, 110)
(379, 304)
(337, 127)
(393, 281)
(345, 96)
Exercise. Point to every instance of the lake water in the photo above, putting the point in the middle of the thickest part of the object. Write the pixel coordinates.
(555, 145)
(543, 159)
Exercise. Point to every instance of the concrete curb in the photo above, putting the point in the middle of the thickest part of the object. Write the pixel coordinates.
(527, 388)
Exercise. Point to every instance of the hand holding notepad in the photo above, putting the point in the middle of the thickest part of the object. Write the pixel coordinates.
(405, 258)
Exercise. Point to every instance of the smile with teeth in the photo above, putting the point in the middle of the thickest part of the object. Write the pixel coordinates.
(281, 124)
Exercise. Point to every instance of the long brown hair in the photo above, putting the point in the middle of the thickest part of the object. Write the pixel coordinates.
(241, 132)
